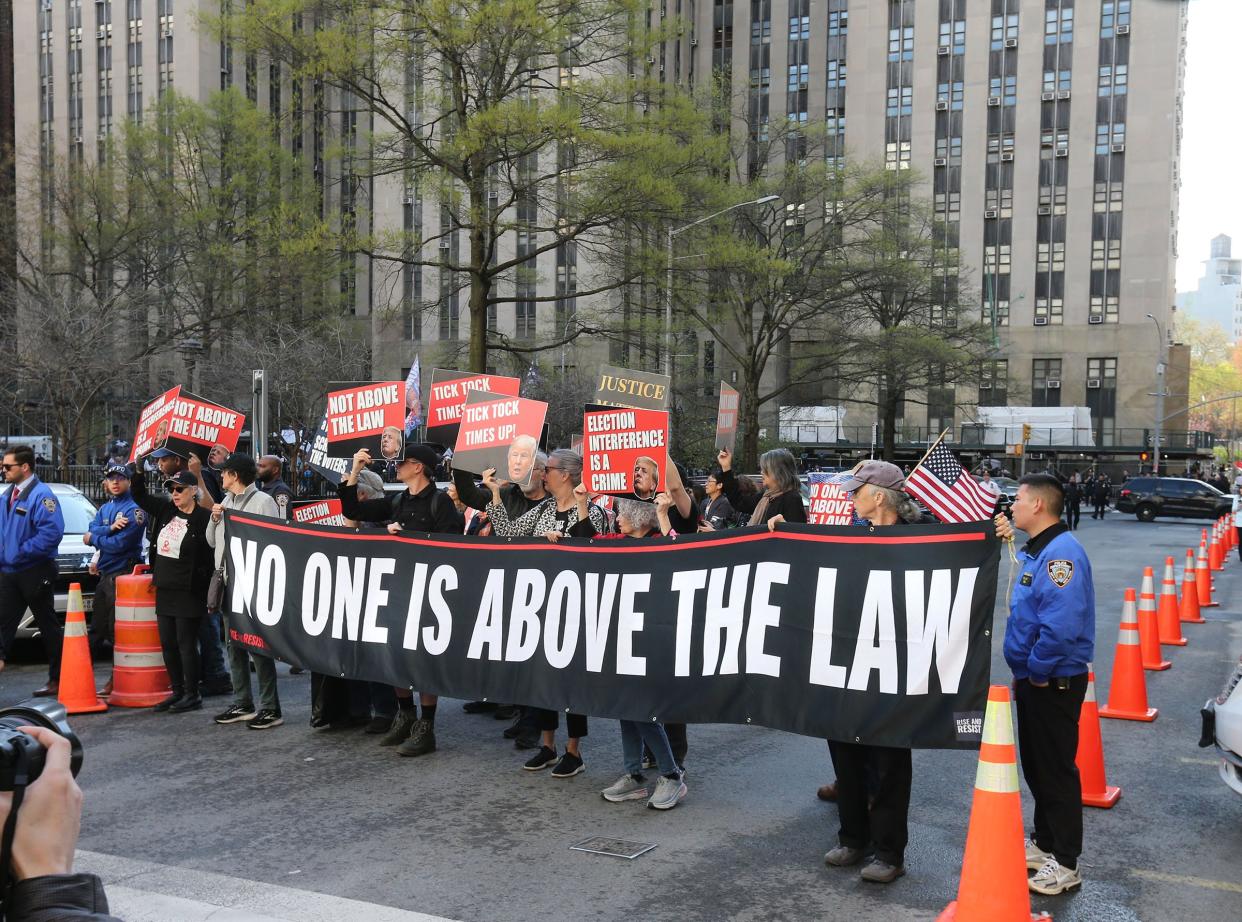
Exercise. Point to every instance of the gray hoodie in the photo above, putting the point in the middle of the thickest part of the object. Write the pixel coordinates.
(250, 500)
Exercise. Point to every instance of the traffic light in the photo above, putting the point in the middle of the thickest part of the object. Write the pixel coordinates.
(1144, 456)
(1026, 432)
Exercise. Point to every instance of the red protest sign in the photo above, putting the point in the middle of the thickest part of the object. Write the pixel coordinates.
(829, 504)
(501, 432)
(616, 441)
(319, 512)
(726, 418)
(184, 423)
(366, 415)
(448, 396)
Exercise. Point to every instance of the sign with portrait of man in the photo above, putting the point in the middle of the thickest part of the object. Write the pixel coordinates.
(501, 432)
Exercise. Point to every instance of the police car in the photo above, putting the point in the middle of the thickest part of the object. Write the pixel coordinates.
(73, 558)
(1222, 728)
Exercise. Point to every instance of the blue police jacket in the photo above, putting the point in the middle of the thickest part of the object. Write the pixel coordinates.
(118, 549)
(30, 528)
(1051, 627)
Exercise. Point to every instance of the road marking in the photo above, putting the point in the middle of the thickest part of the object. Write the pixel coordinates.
(1203, 882)
(142, 891)
(1187, 761)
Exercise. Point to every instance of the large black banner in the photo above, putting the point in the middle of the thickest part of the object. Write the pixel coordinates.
(876, 635)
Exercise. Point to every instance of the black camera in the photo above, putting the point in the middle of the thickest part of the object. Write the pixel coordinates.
(16, 746)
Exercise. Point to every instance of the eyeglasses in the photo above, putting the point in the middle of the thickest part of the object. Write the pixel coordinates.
(9, 466)
(552, 467)
(178, 489)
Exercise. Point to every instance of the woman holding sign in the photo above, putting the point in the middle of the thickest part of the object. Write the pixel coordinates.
(556, 517)
(781, 499)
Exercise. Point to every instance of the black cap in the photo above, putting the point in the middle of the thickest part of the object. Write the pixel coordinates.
(422, 453)
(181, 479)
(241, 464)
(116, 470)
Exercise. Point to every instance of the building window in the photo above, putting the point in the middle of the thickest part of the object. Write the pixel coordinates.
(994, 383)
(1101, 398)
(1046, 383)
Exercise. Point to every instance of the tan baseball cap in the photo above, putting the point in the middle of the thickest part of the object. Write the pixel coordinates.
(878, 474)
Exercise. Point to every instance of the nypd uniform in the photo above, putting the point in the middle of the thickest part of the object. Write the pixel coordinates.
(280, 491)
(1049, 642)
(119, 550)
(31, 527)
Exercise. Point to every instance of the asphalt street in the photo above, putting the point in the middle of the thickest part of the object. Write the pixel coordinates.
(217, 814)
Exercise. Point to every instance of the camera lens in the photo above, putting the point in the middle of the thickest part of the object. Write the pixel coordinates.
(13, 742)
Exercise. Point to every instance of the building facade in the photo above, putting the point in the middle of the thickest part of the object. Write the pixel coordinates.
(1217, 299)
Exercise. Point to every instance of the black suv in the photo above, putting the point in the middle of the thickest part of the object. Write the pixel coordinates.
(1148, 497)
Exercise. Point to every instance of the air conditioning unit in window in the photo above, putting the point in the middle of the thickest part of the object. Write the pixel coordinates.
(1047, 97)
(1007, 156)
(165, 33)
(1119, 148)
(1041, 321)
(445, 244)
(1063, 94)
(942, 50)
(407, 199)
(985, 386)
(101, 34)
(1011, 43)
(1062, 151)
(650, 60)
(1093, 384)
(1123, 30)
(694, 43)
(994, 100)
(941, 161)
(1052, 384)
(991, 214)
(1045, 209)
(941, 105)
(1095, 318)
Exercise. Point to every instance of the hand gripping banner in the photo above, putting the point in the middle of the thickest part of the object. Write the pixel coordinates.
(872, 635)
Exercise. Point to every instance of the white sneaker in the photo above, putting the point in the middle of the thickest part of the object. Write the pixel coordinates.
(1036, 857)
(1052, 879)
(668, 793)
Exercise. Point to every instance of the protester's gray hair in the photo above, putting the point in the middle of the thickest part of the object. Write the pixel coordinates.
(370, 485)
(541, 459)
(900, 502)
(779, 464)
(642, 515)
(568, 461)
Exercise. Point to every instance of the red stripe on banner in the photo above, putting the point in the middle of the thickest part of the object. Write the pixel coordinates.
(611, 545)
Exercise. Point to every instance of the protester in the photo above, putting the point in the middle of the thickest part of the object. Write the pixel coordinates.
(555, 517)
(873, 782)
(45, 837)
(419, 507)
(181, 567)
(31, 528)
(237, 476)
(781, 500)
(1049, 645)
(683, 514)
(116, 533)
(1073, 501)
(268, 480)
(717, 512)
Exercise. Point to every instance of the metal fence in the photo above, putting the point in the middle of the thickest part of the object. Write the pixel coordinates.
(89, 479)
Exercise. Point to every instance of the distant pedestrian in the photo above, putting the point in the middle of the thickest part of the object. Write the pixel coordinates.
(1073, 501)
(1099, 495)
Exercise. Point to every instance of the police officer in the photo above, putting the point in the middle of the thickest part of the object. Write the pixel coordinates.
(1049, 641)
(31, 526)
(268, 480)
(116, 533)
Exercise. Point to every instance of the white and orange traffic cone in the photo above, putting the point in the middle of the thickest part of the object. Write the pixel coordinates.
(1127, 693)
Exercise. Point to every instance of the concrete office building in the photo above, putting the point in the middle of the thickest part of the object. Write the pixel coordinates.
(1217, 299)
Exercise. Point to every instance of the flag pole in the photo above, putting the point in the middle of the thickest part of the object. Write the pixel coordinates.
(939, 439)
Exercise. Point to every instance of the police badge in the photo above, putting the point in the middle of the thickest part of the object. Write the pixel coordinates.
(49, 504)
(1060, 572)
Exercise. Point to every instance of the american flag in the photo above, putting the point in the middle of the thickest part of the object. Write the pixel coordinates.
(952, 495)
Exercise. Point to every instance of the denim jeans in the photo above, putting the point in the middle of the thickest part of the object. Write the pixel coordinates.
(239, 671)
(383, 700)
(634, 734)
(211, 650)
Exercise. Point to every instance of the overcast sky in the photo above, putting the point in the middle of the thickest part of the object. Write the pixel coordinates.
(1211, 195)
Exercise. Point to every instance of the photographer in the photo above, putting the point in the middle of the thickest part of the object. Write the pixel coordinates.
(45, 889)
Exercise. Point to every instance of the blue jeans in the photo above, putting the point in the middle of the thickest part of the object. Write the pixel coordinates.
(211, 650)
(634, 734)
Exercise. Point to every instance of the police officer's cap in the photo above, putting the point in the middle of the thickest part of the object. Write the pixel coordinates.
(113, 469)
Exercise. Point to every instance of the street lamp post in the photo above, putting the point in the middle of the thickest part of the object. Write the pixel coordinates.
(668, 284)
(1160, 369)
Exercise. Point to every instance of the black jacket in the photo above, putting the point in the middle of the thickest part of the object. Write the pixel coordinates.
(191, 570)
(59, 898)
(787, 504)
(516, 502)
(429, 511)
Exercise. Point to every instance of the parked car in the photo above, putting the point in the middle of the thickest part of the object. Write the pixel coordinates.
(1222, 728)
(73, 557)
(1148, 497)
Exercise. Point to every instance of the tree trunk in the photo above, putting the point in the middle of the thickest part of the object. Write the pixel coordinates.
(480, 282)
(888, 419)
(747, 459)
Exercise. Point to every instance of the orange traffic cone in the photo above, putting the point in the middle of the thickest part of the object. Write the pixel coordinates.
(1203, 579)
(993, 886)
(1215, 557)
(1127, 694)
(1096, 792)
(1190, 592)
(1149, 633)
(1168, 617)
(77, 679)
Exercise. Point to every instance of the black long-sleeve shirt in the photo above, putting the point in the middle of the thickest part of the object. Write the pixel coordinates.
(428, 511)
(516, 503)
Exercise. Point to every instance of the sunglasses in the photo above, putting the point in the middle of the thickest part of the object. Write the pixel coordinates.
(9, 466)
(178, 489)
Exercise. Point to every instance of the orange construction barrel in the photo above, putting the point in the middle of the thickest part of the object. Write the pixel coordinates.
(139, 679)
